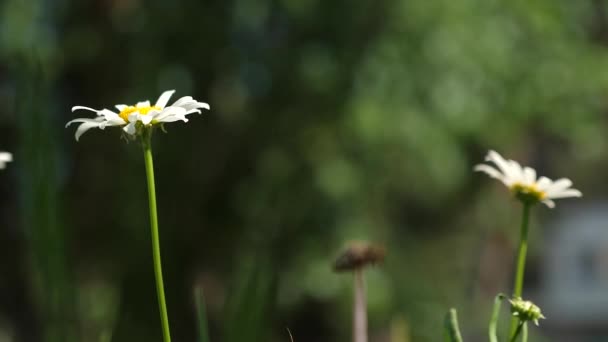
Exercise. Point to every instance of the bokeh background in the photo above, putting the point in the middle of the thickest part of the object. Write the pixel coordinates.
(331, 121)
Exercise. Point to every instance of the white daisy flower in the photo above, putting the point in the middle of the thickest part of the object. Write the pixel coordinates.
(140, 115)
(5, 157)
(523, 183)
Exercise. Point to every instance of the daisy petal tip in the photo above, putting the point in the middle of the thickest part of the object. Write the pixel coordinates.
(549, 203)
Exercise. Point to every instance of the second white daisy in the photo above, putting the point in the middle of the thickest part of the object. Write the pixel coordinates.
(140, 115)
(523, 181)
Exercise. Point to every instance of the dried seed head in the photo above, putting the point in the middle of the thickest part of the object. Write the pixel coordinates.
(358, 255)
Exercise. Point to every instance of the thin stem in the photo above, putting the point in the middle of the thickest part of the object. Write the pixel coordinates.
(524, 334)
(360, 309)
(451, 330)
(521, 261)
(520, 324)
(201, 315)
(158, 272)
(494, 320)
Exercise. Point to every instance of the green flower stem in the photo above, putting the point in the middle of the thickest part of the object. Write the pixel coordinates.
(524, 333)
(520, 325)
(201, 315)
(158, 272)
(494, 320)
(521, 261)
(451, 331)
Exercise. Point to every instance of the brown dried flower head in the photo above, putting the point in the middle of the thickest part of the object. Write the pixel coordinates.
(359, 254)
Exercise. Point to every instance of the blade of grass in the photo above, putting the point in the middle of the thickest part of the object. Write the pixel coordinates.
(201, 315)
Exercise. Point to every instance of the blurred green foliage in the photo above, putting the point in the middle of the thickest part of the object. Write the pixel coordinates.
(330, 121)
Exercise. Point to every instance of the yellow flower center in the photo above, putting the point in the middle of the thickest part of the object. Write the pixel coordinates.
(528, 193)
(124, 114)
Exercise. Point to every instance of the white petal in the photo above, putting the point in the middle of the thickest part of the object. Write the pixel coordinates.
(85, 126)
(120, 107)
(169, 112)
(558, 185)
(191, 111)
(143, 104)
(108, 114)
(114, 122)
(549, 203)
(145, 119)
(188, 103)
(96, 120)
(6, 157)
(174, 118)
(164, 98)
(529, 175)
(516, 173)
(75, 108)
(543, 183)
(490, 171)
(565, 194)
(497, 159)
(130, 128)
(183, 100)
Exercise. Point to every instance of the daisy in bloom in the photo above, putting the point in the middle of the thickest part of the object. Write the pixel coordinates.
(523, 183)
(5, 157)
(143, 114)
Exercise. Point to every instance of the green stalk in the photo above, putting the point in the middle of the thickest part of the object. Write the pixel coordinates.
(521, 261)
(158, 272)
(201, 315)
(518, 328)
(451, 331)
(494, 319)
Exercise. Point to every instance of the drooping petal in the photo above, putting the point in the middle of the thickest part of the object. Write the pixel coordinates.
(192, 111)
(183, 100)
(549, 203)
(490, 171)
(75, 108)
(171, 114)
(95, 120)
(85, 126)
(164, 98)
(130, 128)
(189, 103)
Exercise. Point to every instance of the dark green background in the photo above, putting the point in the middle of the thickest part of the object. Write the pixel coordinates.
(330, 121)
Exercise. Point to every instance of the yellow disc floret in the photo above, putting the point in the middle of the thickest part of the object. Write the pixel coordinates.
(528, 192)
(124, 114)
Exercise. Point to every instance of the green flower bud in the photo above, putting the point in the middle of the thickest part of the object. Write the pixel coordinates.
(525, 310)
